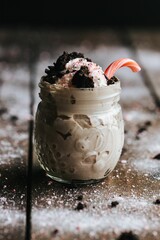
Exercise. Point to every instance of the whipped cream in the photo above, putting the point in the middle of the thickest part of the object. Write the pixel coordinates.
(95, 72)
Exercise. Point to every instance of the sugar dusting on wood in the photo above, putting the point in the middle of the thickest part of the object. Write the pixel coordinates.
(14, 115)
(12, 224)
(134, 191)
(68, 221)
(138, 214)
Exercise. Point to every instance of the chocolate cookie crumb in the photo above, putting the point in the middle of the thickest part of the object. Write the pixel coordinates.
(157, 202)
(112, 80)
(81, 79)
(141, 129)
(13, 118)
(128, 236)
(80, 206)
(58, 69)
(157, 156)
(80, 198)
(3, 111)
(148, 123)
(64, 58)
(114, 204)
(54, 232)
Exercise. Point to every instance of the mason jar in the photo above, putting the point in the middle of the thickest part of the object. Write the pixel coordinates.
(79, 133)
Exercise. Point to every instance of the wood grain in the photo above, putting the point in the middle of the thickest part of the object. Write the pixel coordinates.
(127, 200)
(14, 115)
(147, 45)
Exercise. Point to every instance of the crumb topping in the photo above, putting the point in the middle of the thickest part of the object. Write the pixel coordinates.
(112, 80)
(74, 70)
(81, 78)
(58, 69)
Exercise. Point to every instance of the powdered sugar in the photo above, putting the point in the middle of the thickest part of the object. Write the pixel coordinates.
(9, 151)
(148, 166)
(12, 224)
(106, 220)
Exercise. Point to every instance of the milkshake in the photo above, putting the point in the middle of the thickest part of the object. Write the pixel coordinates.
(79, 128)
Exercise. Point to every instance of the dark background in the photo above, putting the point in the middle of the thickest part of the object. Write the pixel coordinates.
(137, 13)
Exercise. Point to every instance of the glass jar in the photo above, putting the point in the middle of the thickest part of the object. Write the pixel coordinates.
(79, 133)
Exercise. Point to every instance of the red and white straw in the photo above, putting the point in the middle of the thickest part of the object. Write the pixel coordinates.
(122, 62)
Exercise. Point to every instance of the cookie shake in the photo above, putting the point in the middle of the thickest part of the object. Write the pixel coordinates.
(79, 128)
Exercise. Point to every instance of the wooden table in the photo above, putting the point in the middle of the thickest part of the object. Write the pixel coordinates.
(126, 204)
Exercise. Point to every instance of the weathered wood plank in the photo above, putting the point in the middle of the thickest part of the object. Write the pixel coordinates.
(14, 116)
(148, 51)
(128, 199)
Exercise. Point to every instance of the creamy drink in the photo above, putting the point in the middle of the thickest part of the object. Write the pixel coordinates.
(79, 130)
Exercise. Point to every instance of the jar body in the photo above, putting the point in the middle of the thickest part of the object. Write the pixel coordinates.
(78, 140)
